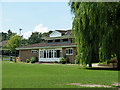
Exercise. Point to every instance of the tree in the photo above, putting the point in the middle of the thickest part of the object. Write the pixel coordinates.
(94, 24)
(35, 38)
(9, 34)
(46, 34)
(13, 43)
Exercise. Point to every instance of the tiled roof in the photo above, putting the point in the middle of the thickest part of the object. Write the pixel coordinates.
(69, 32)
(46, 45)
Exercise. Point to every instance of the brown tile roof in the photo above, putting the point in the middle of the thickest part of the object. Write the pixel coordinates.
(47, 45)
(69, 32)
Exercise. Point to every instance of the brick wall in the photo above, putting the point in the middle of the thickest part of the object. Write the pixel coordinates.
(70, 57)
(27, 54)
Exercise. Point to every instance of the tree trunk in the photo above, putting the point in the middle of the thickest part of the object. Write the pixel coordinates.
(118, 65)
(90, 64)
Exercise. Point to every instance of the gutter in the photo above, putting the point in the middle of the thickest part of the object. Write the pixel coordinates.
(45, 47)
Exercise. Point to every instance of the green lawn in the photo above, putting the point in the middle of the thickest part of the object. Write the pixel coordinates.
(20, 75)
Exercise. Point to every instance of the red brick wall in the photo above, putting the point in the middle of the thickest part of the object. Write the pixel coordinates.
(27, 54)
(70, 57)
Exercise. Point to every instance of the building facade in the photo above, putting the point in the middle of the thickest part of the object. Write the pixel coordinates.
(58, 44)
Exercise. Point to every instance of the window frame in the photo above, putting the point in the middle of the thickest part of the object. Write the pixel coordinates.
(68, 51)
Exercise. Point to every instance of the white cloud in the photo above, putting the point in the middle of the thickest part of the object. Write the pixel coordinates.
(40, 28)
(27, 34)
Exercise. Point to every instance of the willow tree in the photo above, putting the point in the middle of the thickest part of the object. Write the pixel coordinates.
(92, 28)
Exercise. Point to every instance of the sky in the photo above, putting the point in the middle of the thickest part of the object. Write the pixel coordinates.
(35, 16)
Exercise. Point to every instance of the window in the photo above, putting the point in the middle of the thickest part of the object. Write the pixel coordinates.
(41, 54)
(50, 53)
(57, 40)
(65, 40)
(69, 51)
(34, 51)
(50, 41)
(44, 53)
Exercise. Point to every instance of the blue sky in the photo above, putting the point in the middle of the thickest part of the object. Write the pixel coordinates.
(35, 16)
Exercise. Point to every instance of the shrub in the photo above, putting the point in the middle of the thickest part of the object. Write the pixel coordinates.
(63, 60)
(67, 59)
(14, 59)
(27, 60)
(33, 60)
(77, 59)
(55, 62)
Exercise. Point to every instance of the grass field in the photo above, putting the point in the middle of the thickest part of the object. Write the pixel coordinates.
(20, 75)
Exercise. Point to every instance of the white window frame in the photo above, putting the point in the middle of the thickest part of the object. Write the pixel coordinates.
(69, 51)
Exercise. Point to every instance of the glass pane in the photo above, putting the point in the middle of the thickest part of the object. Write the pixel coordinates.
(49, 53)
(44, 53)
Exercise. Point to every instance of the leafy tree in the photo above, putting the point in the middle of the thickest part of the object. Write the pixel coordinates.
(13, 43)
(96, 30)
(46, 34)
(24, 42)
(9, 34)
(35, 38)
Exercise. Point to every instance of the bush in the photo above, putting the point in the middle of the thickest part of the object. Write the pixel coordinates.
(27, 60)
(55, 62)
(77, 59)
(63, 60)
(33, 60)
(14, 59)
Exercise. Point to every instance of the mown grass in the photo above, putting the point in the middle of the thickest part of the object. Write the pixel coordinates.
(20, 75)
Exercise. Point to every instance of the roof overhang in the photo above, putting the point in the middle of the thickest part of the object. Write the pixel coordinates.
(47, 47)
(61, 37)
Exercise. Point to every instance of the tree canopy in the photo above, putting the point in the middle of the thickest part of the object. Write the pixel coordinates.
(96, 30)
(35, 38)
(13, 43)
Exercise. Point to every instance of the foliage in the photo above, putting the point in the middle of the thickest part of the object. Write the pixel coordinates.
(63, 60)
(48, 76)
(24, 42)
(27, 60)
(35, 38)
(13, 43)
(46, 34)
(6, 36)
(96, 26)
(55, 62)
(33, 59)
(14, 59)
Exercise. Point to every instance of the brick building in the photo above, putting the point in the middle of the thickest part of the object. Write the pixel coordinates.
(58, 44)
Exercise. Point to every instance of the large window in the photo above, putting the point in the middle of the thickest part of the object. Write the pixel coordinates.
(69, 51)
(58, 53)
(50, 53)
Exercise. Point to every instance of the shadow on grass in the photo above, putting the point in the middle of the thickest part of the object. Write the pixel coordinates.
(103, 68)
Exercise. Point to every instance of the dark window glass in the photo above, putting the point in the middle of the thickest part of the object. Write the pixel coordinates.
(50, 41)
(34, 51)
(65, 40)
(57, 40)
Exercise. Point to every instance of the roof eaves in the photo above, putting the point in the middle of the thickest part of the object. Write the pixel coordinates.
(46, 47)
